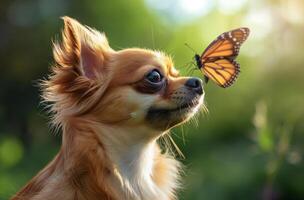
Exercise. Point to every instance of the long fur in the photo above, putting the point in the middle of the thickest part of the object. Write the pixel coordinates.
(108, 151)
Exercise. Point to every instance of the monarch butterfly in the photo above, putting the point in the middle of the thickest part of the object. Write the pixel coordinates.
(217, 62)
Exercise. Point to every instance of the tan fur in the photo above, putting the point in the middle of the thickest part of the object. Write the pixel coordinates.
(109, 149)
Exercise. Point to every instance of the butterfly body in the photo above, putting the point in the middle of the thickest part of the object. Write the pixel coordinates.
(198, 61)
(217, 62)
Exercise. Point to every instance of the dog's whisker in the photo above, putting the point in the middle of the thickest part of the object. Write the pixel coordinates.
(204, 109)
(180, 153)
(171, 144)
(183, 134)
(166, 143)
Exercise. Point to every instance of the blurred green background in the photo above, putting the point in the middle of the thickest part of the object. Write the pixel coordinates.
(249, 146)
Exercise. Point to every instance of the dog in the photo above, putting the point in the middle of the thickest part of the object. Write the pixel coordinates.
(112, 107)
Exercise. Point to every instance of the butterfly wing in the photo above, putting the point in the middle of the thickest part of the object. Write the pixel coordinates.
(222, 71)
(217, 61)
(226, 45)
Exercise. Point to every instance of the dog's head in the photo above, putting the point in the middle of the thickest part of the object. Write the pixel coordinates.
(147, 89)
(131, 87)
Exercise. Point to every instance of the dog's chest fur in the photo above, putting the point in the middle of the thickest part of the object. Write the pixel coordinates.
(141, 171)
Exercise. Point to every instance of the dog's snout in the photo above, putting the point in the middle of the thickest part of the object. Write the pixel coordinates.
(195, 84)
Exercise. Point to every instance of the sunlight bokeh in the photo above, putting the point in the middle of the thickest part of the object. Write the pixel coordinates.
(181, 11)
(231, 7)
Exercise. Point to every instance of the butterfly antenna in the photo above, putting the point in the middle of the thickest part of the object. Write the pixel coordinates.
(187, 45)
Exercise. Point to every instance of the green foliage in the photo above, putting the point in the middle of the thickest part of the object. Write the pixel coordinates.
(264, 134)
(11, 152)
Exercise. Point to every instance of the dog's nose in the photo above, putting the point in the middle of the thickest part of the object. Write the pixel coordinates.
(195, 84)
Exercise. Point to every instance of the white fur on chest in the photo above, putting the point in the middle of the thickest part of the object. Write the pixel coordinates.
(134, 160)
(136, 168)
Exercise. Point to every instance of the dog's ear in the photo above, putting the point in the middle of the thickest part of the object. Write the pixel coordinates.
(79, 75)
(82, 47)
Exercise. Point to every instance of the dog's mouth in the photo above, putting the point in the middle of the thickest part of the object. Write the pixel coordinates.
(164, 118)
(180, 108)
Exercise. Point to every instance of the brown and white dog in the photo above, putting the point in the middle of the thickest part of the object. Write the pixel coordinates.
(112, 106)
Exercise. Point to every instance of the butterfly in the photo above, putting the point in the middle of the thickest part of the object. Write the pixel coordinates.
(217, 62)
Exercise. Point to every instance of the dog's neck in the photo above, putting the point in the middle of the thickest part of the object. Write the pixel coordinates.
(136, 162)
(131, 149)
(134, 152)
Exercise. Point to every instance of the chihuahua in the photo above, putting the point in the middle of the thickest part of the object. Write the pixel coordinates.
(112, 106)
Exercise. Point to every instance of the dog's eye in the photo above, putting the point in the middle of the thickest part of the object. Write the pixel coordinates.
(152, 82)
(154, 76)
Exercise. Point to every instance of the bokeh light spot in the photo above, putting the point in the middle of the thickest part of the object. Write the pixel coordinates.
(11, 152)
(180, 11)
(231, 7)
